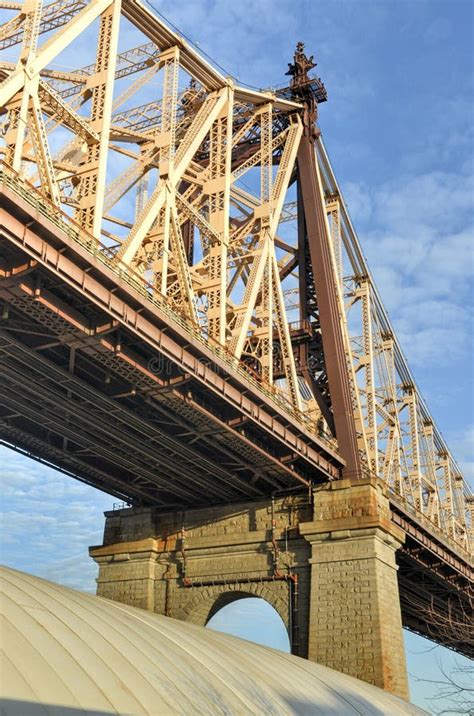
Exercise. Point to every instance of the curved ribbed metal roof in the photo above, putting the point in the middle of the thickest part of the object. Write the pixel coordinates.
(65, 653)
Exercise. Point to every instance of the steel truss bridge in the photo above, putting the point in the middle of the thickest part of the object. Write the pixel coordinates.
(186, 315)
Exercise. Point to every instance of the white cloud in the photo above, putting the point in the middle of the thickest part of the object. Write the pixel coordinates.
(427, 199)
(462, 444)
(418, 240)
(48, 521)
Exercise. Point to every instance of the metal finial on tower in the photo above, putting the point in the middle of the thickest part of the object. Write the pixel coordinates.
(300, 66)
(304, 88)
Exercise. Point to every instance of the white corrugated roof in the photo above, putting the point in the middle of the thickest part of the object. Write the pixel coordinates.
(65, 653)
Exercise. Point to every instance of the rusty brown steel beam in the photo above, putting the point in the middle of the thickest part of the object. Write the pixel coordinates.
(329, 310)
(71, 465)
(445, 619)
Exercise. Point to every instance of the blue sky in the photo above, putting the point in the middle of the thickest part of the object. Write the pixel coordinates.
(399, 129)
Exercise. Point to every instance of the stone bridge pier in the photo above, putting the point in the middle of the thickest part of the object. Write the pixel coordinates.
(324, 560)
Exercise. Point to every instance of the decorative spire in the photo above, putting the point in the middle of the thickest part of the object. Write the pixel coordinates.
(309, 91)
(300, 66)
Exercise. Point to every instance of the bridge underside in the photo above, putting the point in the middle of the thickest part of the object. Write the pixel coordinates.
(83, 391)
(435, 590)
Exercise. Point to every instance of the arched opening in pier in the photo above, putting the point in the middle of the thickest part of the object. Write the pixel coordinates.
(248, 617)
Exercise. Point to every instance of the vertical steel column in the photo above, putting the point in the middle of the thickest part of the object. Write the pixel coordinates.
(328, 304)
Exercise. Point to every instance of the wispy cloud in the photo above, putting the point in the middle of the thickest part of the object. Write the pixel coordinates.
(462, 444)
(417, 233)
(48, 520)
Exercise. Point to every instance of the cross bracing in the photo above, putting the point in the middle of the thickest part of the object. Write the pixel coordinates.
(223, 208)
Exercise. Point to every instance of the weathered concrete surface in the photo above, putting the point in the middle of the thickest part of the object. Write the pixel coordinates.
(325, 562)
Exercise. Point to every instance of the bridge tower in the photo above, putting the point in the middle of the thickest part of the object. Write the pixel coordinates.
(326, 560)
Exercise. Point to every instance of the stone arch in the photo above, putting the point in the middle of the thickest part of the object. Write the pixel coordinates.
(224, 599)
(209, 600)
